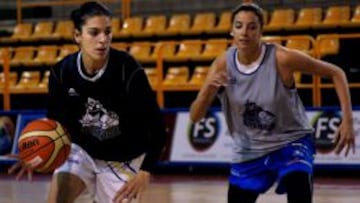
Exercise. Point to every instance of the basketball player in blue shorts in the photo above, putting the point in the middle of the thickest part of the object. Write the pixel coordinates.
(102, 96)
(272, 136)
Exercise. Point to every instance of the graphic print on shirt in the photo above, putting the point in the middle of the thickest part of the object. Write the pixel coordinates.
(258, 118)
(99, 122)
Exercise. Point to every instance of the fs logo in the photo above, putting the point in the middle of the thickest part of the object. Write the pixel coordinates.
(203, 134)
(326, 124)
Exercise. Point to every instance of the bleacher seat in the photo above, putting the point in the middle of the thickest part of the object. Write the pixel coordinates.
(22, 56)
(45, 56)
(300, 42)
(43, 84)
(154, 25)
(280, 19)
(213, 48)
(335, 16)
(151, 74)
(176, 77)
(140, 50)
(65, 50)
(307, 18)
(13, 76)
(43, 31)
(115, 27)
(328, 44)
(63, 30)
(199, 75)
(28, 81)
(188, 49)
(273, 39)
(131, 26)
(224, 24)
(178, 24)
(202, 23)
(120, 46)
(21, 31)
(167, 50)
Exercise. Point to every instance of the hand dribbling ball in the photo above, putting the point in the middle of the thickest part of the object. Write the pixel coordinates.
(44, 144)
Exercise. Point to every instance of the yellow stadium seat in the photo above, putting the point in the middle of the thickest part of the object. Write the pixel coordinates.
(65, 50)
(28, 82)
(176, 76)
(188, 49)
(328, 44)
(120, 46)
(300, 42)
(213, 48)
(64, 30)
(308, 18)
(202, 23)
(154, 25)
(199, 75)
(42, 31)
(45, 56)
(224, 24)
(151, 74)
(21, 31)
(140, 50)
(280, 19)
(131, 26)
(167, 50)
(22, 56)
(335, 16)
(13, 76)
(273, 39)
(355, 19)
(178, 24)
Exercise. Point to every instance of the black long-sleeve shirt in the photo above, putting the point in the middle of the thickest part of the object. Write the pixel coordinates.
(112, 115)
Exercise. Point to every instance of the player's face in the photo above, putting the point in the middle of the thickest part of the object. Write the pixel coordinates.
(95, 38)
(246, 30)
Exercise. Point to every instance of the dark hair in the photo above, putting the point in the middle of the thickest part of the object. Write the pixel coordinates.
(251, 7)
(87, 10)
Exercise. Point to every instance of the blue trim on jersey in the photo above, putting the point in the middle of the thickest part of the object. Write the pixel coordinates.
(260, 174)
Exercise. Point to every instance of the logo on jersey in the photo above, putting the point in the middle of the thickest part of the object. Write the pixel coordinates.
(326, 124)
(258, 118)
(203, 134)
(99, 122)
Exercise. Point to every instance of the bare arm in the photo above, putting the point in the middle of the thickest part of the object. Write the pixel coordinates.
(290, 61)
(216, 78)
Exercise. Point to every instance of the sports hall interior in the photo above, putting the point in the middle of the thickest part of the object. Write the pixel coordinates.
(175, 41)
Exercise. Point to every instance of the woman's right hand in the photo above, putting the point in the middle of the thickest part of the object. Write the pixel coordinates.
(20, 167)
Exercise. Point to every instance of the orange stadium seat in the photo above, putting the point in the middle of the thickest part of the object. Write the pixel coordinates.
(140, 50)
(64, 30)
(22, 56)
(151, 74)
(335, 16)
(307, 18)
(167, 50)
(45, 56)
(13, 76)
(300, 42)
(199, 75)
(328, 44)
(65, 50)
(224, 24)
(188, 49)
(120, 46)
(42, 31)
(202, 22)
(176, 76)
(131, 26)
(178, 24)
(21, 31)
(355, 19)
(273, 39)
(28, 80)
(213, 48)
(280, 19)
(154, 25)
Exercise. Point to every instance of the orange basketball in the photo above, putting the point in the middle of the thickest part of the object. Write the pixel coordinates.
(44, 144)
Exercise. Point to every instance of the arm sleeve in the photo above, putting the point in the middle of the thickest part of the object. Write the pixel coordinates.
(144, 99)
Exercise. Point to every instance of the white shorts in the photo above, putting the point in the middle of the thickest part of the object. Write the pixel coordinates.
(102, 178)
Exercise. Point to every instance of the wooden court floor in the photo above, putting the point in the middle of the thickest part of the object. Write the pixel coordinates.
(186, 189)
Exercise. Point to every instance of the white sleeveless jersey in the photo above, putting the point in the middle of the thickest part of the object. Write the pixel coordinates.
(262, 113)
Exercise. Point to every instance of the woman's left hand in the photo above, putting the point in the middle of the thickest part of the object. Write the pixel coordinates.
(345, 138)
(133, 188)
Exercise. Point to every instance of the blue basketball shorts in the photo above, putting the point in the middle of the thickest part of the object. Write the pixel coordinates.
(260, 174)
